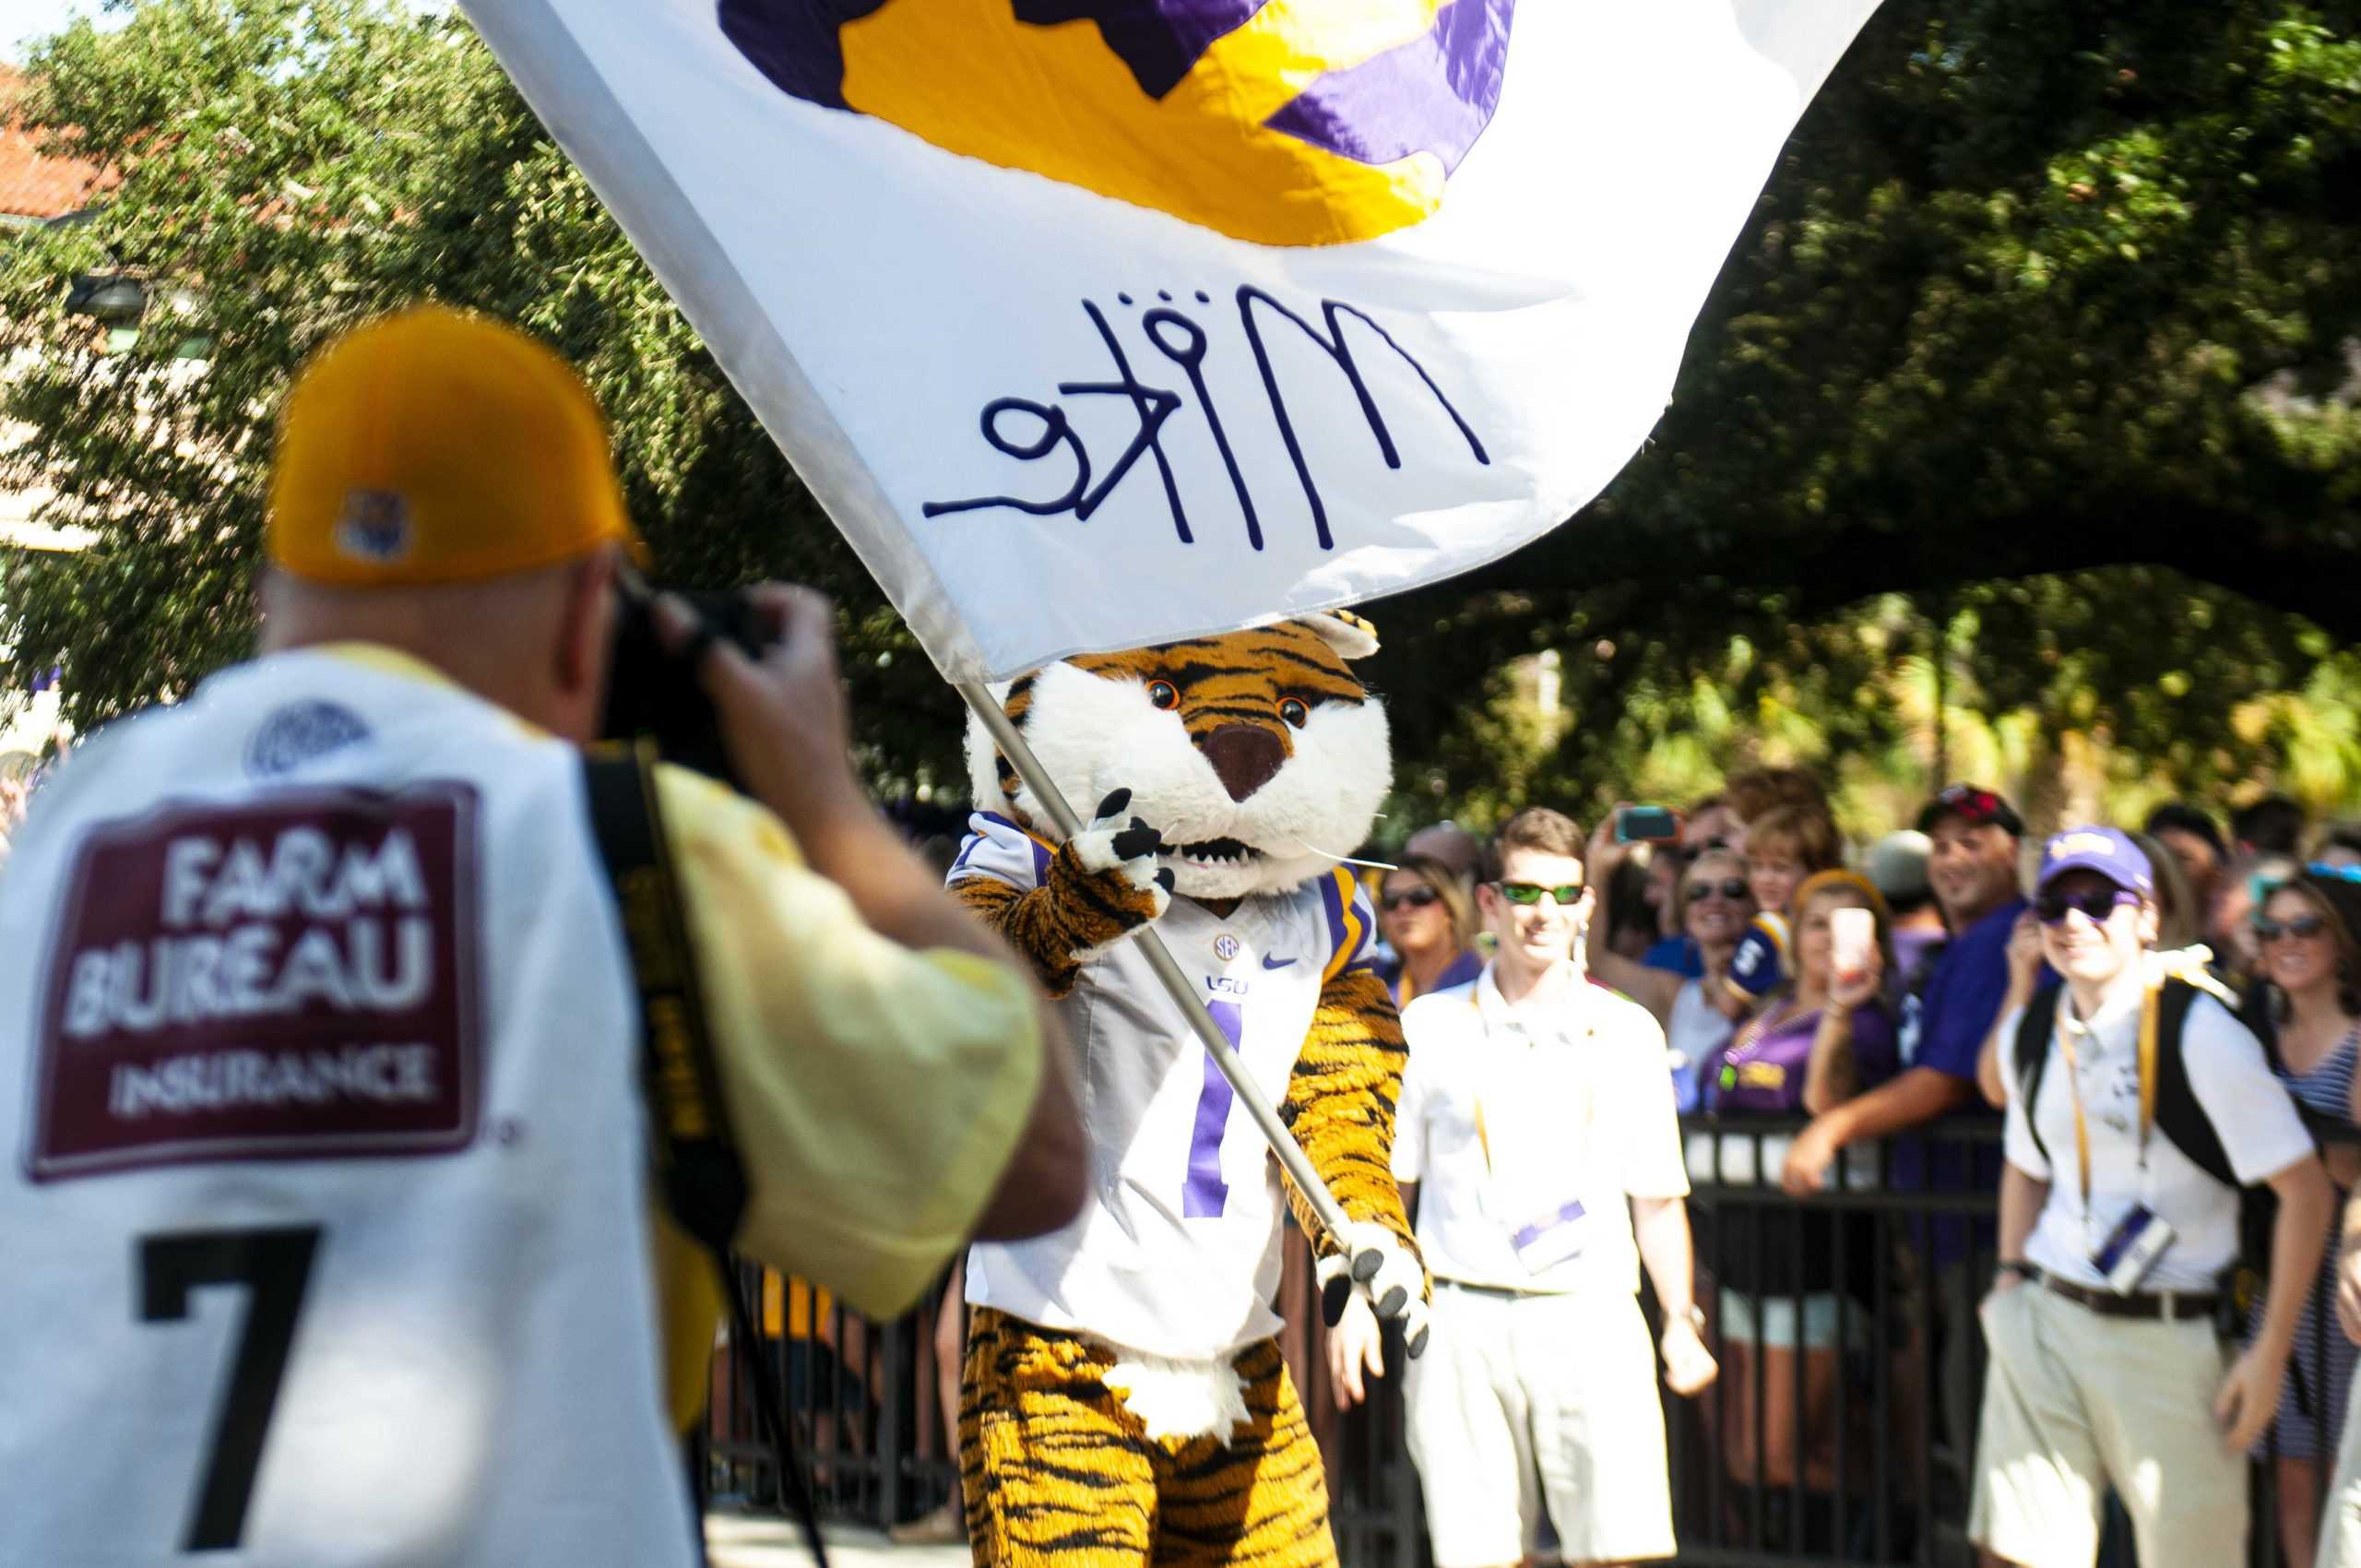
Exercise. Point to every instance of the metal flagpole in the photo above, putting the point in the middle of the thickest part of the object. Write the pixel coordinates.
(1323, 1203)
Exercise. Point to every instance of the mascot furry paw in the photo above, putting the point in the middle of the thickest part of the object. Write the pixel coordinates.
(1125, 1400)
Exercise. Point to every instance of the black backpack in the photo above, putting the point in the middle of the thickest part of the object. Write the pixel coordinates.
(2183, 1121)
(2178, 1115)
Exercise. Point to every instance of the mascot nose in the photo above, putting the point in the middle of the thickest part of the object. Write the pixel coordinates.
(1244, 757)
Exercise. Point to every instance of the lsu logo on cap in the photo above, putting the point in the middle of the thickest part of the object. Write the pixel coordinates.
(375, 527)
(1284, 121)
(2084, 843)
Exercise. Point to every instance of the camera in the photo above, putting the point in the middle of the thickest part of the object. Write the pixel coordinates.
(655, 693)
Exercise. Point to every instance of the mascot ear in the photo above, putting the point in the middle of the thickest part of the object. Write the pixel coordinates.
(1348, 633)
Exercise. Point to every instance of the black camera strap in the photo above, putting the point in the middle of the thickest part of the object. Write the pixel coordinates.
(697, 1165)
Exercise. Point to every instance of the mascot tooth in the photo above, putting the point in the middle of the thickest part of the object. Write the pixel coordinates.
(1124, 1394)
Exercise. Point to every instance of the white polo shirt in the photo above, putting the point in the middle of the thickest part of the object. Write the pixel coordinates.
(1534, 1125)
(2251, 1114)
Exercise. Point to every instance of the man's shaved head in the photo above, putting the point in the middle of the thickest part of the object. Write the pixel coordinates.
(1451, 844)
(535, 642)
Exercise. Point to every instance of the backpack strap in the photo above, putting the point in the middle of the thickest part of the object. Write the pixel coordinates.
(2178, 1115)
(2032, 1055)
(698, 1173)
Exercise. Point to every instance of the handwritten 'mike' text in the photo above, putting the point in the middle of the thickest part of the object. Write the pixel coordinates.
(1185, 344)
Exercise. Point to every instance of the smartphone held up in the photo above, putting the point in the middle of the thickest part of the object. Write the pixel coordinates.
(1646, 824)
(1852, 938)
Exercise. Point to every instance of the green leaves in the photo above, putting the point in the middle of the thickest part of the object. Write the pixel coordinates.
(2034, 293)
(288, 170)
(2035, 290)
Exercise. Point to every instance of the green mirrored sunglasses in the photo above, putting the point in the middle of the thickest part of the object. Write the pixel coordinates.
(1531, 891)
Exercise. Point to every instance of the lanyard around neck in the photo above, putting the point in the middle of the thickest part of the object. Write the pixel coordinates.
(2069, 1026)
(1515, 1024)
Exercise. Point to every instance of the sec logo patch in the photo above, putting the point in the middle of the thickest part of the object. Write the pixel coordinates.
(1225, 948)
(1310, 123)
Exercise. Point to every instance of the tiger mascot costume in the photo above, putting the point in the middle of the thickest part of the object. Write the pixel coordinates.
(1124, 1401)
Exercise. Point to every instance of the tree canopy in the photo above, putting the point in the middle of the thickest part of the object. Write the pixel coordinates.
(2034, 292)
(288, 169)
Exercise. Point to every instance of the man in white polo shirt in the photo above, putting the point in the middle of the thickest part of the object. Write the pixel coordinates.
(2137, 1108)
(1536, 1120)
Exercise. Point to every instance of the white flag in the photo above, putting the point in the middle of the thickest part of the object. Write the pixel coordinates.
(1101, 323)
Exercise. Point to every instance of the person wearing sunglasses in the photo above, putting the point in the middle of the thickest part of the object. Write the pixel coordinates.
(1713, 906)
(1535, 1129)
(1422, 912)
(2306, 1010)
(2138, 1106)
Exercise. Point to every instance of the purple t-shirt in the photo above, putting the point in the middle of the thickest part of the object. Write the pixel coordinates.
(1787, 1247)
(1761, 1071)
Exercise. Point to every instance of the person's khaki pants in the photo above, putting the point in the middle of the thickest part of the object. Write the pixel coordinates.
(1529, 1407)
(2340, 1517)
(2074, 1402)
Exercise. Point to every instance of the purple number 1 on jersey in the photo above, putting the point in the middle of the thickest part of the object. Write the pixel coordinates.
(1205, 1195)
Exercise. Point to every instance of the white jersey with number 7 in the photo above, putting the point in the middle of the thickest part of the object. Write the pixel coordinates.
(324, 1216)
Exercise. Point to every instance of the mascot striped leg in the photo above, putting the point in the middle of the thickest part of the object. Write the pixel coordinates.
(1059, 1474)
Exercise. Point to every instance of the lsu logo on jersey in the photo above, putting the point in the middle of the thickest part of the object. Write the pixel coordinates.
(1284, 121)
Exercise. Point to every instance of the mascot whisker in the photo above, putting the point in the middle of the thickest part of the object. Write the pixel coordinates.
(1125, 1400)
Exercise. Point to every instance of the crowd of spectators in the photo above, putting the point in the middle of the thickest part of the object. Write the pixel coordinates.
(2169, 1021)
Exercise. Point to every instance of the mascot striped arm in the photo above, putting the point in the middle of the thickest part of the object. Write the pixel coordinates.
(1124, 1400)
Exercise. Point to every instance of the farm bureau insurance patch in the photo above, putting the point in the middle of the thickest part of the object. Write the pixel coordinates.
(293, 980)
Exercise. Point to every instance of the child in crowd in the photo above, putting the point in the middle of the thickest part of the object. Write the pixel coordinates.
(1784, 846)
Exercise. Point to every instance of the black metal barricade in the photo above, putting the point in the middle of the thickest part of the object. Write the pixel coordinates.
(864, 1399)
(1841, 1428)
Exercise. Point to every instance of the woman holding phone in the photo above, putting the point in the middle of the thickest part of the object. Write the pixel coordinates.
(1825, 1036)
(1712, 905)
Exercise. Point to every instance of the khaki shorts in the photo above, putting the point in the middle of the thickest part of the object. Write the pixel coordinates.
(2340, 1517)
(2074, 1402)
(1529, 1405)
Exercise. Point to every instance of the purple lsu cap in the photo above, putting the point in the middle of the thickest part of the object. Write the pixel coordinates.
(2102, 850)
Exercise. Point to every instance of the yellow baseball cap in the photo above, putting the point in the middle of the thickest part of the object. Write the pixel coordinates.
(434, 446)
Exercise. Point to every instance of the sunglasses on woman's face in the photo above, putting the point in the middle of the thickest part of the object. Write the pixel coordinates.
(1531, 891)
(1733, 888)
(1417, 898)
(2303, 927)
(2097, 903)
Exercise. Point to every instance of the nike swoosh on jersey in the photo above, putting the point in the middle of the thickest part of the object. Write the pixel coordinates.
(1271, 963)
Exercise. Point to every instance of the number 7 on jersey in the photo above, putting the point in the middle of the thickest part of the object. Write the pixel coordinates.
(276, 1264)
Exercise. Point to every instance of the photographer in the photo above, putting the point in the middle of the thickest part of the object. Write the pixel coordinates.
(333, 1229)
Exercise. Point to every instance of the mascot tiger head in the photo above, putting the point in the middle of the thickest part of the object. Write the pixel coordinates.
(1258, 754)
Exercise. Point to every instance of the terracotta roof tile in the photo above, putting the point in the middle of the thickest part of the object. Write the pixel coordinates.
(31, 186)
